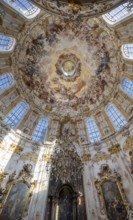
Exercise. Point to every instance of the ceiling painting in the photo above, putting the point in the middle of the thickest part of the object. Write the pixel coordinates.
(68, 66)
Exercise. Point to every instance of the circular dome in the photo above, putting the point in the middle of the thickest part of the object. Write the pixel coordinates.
(68, 68)
(64, 68)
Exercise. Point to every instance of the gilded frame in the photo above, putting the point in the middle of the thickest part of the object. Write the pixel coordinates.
(28, 197)
(115, 178)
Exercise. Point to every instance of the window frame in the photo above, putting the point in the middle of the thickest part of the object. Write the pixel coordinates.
(16, 125)
(123, 51)
(126, 92)
(116, 127)
(20, 11)
(113, 23)
(12, 46)
(96, 132)
(36, 128)
(12, 83)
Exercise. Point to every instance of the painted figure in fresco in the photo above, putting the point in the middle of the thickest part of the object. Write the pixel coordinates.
(113, 201)
(13, 208)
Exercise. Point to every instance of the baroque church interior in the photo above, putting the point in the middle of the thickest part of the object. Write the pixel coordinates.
(66, 110)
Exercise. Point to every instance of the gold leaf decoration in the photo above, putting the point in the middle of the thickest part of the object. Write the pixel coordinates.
(86, 157)
(101, 156)
(29, 156)
(46, 157)
(16, 149)
(114, 149)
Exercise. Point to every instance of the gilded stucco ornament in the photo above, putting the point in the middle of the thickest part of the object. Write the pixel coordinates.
(114, 149)
(128, 144)
(86, 157)
(100, 156)
(15, 148)
(4, 191)
(46, 157)
(26, 173)
(3, 174)
(30, 157)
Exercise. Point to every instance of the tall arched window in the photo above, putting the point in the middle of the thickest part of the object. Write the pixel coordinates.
(16, 114)
(6, 80)
(117, 14)
(127, 86)
(25, 7)
(127, 51)
(93, 131)
(7, 43)
(117, 119)
(40, 130)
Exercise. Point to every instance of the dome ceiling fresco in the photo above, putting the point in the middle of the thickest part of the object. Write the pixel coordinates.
(77, 8)
(65, 66)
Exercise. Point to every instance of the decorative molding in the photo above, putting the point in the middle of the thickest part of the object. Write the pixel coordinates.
(100, 156)
(114, 149)
(86, 157)
(15, 148)
(3, 174)
(46, 157)
(30, 157)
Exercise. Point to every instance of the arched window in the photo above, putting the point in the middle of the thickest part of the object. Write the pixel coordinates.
(7, 43)
(127, 51)
(115, 116)
(16, 114)
(117, 14)
(127, 86)
(6, 80)
(40, 130)
(93, 131)
(25, 7)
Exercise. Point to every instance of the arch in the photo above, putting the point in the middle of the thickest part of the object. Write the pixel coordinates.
(14, 117)
(65, 203)
(6, 80)
(40, 129)
(117, 14)
(127, 50)
(92, 130)
(24, 7)
(7, 43)
(116, 117)
(127, 86)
